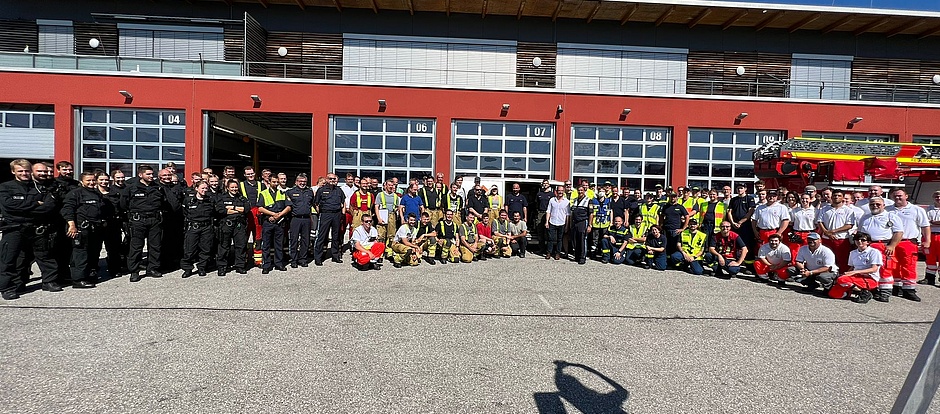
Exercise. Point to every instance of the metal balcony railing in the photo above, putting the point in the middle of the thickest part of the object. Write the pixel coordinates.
(773, 88)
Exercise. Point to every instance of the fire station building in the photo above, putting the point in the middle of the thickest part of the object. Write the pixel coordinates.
(638, 92)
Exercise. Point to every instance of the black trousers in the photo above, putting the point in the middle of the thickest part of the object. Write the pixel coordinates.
(579, 240)
(172, 254)
(197, 245)
(299, 239)
(233, 245)
(86, 250)
(519, 245)
(272, 236)
(151, 230)
(114, 245)
(330, 224)
(17, 241)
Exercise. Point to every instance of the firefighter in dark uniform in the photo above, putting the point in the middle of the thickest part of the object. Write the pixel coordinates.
(85, 212)
(234, 209)
(330, 204)
(301, 197)
(27, 218)
(198, 233)
(273, 208)
(144, 202)
(433, 200)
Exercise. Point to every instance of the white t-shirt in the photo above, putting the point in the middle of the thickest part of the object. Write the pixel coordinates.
(363, 237)
(348, 191)
(775, 256)
(834, 218)
(770, 217)
(558, 211)
(404, 232)
(858, 214)
(822, 257)
(864, 259)
(516, 229)
(803, 219)
(933, 214)
(881, 226)
(913, 218)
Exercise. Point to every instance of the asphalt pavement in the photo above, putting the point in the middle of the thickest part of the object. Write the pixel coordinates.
(501, 336)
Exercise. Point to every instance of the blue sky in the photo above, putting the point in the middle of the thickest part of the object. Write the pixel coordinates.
(930, 5)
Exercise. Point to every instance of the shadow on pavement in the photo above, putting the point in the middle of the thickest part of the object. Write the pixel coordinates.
(568, 380)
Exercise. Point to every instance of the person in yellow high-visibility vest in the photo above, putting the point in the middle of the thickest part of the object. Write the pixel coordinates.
(690, 249)
(649, 211)
(496, 204)
(386, 211)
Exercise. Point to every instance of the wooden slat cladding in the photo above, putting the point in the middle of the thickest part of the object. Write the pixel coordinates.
(897, 80)
(107, 35)
(309, 55)
(527, 75)
(256, 40)
(714, 73)
(16, 35)
(234, 38)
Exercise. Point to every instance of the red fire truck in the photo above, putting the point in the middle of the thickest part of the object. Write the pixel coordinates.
(850, 165)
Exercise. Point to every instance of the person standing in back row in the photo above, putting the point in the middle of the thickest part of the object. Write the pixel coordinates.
(330, 203)
(301, 198)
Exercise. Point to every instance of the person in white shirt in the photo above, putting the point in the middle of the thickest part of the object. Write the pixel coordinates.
(367, 252)
(405, 250)
(916, 233)
(850, 200)
(886, 230)
(558, 211)
(815, 264)
(933, 252)
(770, 218)
(802, 222)
(862, 277)
(834, 222)
(873, 191)
(773, 259)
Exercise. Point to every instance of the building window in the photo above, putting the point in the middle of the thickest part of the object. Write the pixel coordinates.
(852, 137)
(724, 157)
(635, 157)
(383, 148)
(171, 42)
(820, 77)
(927, 140)
(56, 36)
(623, 69)
(124, 139)
(27, 134)
(433, 61)
(503, 149)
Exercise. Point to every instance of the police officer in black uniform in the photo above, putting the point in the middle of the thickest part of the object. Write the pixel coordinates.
(273, 208)
(63, 184)
(27, 219)
(234, 210)
(44, 182)
(198, 212)
(330, 204)
(85, 212)
(301, 197)
(117, 256)
(172, 253)
(118, 187)
(144, 203)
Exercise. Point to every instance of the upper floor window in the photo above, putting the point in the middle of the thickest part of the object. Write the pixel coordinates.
(435, 61)
(56, 36)
(820, 76)
(171, 42)
(584, 67)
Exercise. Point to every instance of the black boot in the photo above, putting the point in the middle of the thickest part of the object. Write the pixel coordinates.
(896, 291)
(929, 279)
(910, 294)
(881, 295)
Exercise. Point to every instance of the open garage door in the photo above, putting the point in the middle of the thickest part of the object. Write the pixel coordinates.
(274, 140)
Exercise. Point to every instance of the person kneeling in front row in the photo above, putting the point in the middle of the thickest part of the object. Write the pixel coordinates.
(656, 248)
(859, 282)
(773, 259)
(367, 252)
(815, 264)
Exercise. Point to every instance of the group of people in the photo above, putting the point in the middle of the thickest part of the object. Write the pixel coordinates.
(852, 247)
(848, 245)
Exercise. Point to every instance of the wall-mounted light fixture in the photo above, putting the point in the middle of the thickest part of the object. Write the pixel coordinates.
(505, 107)
(126, 94)
(382, 105)
(625, 112)
(94, 43)
(282, 51)
(741, 116)
(856, 120)
(740, 70)
(560, 109)
(256, 99)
